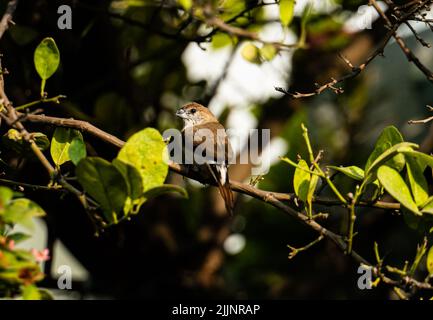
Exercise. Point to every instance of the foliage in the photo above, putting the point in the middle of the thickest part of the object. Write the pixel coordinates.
(395, 167)
(122, 70)
(19, 269)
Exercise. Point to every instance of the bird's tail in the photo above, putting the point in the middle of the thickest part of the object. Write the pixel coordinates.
(223, 186)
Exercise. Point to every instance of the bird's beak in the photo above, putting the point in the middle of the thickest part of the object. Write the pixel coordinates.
(181, 113)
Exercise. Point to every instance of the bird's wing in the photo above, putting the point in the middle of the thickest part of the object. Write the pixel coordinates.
(212, 137)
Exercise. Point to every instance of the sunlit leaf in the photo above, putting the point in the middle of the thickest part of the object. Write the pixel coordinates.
(427, 206)
(394, 184)
(61, 143)
(6, 195)
(423, 159)
(221, 40)
(388, 154)
(147, 152)
(353, 172)
(312, 188)
(417, 181)
(389, 137)
(186, 4)
(287, 11)
(46, 59)
(22, 211)
(301, 180)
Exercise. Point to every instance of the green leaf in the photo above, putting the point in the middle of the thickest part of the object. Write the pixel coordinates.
(429, 261)
(287, 11)
(417, 181)
(147, 152)
(61, 143)
(46, 59)
(132, 178)
(312, 187)
(165, 188)
(186, 4)
(423, 159)
(301, 181)
(103, 182)
(389, 137)
(19, 237)
(221, 40)
(353, 172)
(77, 150)
(388, 154)
(22, 211)
(427, 206)
(6, 196)
(394, 184)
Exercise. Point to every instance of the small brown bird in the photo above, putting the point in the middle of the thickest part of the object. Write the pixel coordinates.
(210, 147)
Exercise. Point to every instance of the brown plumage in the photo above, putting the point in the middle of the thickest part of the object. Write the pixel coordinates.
(204, 133)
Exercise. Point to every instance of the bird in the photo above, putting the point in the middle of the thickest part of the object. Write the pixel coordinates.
(207, 141)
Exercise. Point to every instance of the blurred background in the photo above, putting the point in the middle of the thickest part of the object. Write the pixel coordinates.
(129, 64)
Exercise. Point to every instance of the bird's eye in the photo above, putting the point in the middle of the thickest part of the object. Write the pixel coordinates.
(193, 111)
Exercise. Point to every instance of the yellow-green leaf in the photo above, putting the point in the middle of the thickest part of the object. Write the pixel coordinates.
(46, 58)
(286, 11)
(353, 172)
(390, 154)
(417, 181)
(186, 4)
(389, 137)
(61, 143)
(423, 159)
(312, 187)
(394, 184)
(22, 211)
(301, 180)
(147, 152)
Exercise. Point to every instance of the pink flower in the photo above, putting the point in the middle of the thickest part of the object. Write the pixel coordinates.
(11, 245)
(41, 256)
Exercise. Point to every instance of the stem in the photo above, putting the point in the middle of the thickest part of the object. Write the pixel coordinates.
(352, 216)
(55, 99)
(43, 82)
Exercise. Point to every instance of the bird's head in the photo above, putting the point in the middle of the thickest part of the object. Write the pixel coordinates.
(194, 114)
